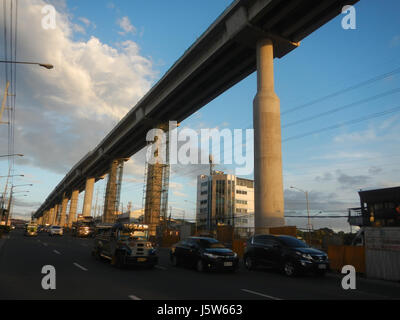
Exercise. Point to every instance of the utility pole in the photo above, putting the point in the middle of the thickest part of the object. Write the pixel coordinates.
(3, 104)
(95, 205)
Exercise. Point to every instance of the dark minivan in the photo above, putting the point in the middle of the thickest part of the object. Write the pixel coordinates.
(204, 254)
(285, 253)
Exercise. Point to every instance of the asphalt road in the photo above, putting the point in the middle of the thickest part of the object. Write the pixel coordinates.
(80, 276)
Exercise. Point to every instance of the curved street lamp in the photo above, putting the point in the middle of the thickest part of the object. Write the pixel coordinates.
(44, 65)
(12, 155)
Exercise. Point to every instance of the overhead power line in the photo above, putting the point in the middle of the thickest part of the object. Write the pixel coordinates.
(350, 122)
(329, 112)
(342, 91)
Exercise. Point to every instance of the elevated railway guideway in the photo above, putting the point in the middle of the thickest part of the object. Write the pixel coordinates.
(227, 52)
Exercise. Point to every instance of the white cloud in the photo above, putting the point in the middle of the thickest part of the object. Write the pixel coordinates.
(63, 113)
(126, 25)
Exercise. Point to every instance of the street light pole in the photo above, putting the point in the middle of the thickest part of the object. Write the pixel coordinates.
(11, 196)
(308, 213)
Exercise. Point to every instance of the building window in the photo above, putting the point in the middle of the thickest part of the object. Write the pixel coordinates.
(241, 201)
(203, 202)
(241, 192)
(245, 183)
(204, 192)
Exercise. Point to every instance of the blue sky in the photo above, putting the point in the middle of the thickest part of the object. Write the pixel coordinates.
(332, 165)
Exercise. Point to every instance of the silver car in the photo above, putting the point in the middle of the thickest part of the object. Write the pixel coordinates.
(55, 231)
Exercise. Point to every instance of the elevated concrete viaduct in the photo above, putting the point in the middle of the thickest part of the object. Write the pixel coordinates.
(247, 32)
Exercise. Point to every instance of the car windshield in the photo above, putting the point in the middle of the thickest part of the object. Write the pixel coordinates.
(55, 227)
(210, 244)
(292, 242)
(133, 235)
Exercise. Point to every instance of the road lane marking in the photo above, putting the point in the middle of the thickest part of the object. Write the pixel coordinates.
(261, 294)
(160, 267)
(80, 267)
(45, 244)
(57, 252)
(132, 297)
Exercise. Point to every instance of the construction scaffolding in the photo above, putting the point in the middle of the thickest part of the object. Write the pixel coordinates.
(156, 185)
(113, 191)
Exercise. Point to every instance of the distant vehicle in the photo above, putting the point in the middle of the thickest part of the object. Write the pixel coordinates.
(203, 253)
(84, 227)
(55, 231)
(289, 254)
(125, 245)
(31, 230)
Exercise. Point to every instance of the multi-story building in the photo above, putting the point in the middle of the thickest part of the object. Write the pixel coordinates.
(224, 199)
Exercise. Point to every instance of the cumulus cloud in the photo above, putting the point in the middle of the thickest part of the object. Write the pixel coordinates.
(63, 113)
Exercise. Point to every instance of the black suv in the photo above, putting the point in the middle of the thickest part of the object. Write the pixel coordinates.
(204, 254)
(285, 253)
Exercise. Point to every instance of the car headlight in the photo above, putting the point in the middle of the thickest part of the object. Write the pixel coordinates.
(210, 255)
(235, 255)
(304, 255)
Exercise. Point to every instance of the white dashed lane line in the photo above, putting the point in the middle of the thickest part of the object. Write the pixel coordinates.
(45, 244)
(132, 297)
(160, 267)
(80, 267)
(261, 294)
(56, 252)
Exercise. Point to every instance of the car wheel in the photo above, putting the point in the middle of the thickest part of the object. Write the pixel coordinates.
(117, 261)
(249, 263)
(200, 266)
(174, 261)
(96, 254)
(320, 273)
(289, 268)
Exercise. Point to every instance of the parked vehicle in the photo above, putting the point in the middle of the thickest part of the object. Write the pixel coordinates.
(204, 254)
(55, 231)
(31, 230)
(125, 245)
(286, 253)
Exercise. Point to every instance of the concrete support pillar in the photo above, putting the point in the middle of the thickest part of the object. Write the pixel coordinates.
(51, 217)
(72, 207)
(56, 215)
(268, 193)
(87, 202)
(111, 194)
(63, 213)
(45, 217)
